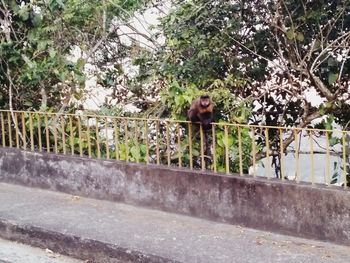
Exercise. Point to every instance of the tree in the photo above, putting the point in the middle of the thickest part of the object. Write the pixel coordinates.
(270, 52)
(312, 45)
(270, 55)
(38, 40)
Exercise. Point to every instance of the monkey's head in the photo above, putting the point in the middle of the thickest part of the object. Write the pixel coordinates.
(205, 100)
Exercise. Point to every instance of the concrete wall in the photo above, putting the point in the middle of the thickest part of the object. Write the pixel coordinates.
(303, 210)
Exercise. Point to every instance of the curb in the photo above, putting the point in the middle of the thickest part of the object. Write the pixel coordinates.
(74, 246)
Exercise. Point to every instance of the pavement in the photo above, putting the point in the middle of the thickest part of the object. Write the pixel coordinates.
(103, 231)
(14, 252)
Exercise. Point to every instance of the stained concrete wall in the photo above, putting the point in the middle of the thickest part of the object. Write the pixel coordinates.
(302, 210)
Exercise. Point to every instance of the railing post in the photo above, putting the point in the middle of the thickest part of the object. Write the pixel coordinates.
(267, 163)
(157, 141)
(107, 142)
(146, 141)
(297, 168)
(24, 133)
(240, 152)
(9, 128)
(202, 147)
(281, 154)
(253, 152)
(31, 132)
(16, 129)
(168, 143)
(190, 146)
(227, 160)
(126, 137)
(54, 124)
(116, 138)
(328, 176)
(63, 134)
(214, 147)
(344, 174)
(3, 130)
(97, 130)
(71, 135)
(179, 150)
(312, 158)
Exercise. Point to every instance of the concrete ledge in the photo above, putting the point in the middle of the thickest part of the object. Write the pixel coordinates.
(104, 231)
(302, 210)
(74, 246)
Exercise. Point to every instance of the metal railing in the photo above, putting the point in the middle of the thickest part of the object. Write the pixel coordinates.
(313, 155)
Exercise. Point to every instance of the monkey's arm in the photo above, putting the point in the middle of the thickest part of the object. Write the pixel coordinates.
(192, 115)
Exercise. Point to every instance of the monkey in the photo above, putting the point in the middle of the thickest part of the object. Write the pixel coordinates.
(201, 111)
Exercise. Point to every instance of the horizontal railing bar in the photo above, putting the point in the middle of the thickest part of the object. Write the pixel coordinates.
(225, 147)
(222, 124)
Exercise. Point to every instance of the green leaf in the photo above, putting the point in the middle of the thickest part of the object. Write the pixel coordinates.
(135, 152)
(332, 62)
(300, 37)
(36, 20)
(60, 3)
(143, 148)
(230, 140)
(195, 152)
(179, 101)
(62, 76)
(52, 53)
(42, 45)
(28, 103)
(290, 34)
(333, 141)
(330, 119)
(221, 168)
(80, 63)
(301, 18)
(322, 109)
(332, 77)
(317, 44)
(23, 13)
(203, 54)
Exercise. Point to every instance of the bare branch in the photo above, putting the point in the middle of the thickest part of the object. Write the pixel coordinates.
(251, 51)
(10, 90)
(322, 87)
(290, 139)
(154, 42)
(327, 49)
(343, 63)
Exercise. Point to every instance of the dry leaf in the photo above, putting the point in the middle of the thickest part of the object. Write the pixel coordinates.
(75, 198)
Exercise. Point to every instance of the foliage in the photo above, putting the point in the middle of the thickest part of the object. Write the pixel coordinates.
(199, 45)
(228, 107)
(269, 55)
(338, 175)
(342, 167)
(152, 141)
(178, 99)
(258, 60)
(232, 142)
(269, 52)
(37, 43)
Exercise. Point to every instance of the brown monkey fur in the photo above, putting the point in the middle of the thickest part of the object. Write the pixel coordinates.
(201, 111)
